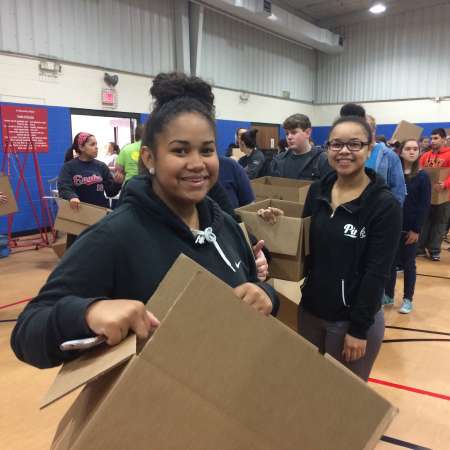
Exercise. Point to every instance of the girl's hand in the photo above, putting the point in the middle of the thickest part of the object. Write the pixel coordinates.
(270, 214)
(118, 177)
(411, 238)
(75, 203)
(114, 319)
(354, 348)
(255, 297)
(3, 198)
(262, 268)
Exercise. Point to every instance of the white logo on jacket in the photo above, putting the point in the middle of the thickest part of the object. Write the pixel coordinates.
(351, 232)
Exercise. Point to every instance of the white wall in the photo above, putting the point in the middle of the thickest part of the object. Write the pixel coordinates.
(80, 87)
(391, 112)
(389, 57)
(238, 56)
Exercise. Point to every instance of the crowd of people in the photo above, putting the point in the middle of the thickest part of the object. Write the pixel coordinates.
(368, 202)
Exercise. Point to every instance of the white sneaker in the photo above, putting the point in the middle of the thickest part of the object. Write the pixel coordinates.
(406, 307)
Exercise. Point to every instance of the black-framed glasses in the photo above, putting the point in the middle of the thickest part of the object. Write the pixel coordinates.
(355, 145)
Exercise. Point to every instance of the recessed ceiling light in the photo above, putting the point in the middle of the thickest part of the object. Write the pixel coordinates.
(272, 17)
(377, 8)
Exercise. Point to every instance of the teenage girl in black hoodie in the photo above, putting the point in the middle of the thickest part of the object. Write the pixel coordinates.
(102, 282)
(355, 229)
(354, 234)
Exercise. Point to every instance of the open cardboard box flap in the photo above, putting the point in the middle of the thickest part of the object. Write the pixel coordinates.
(437, 175)
(406, 130)
(11, 206)
(75, 222)
(218, 375)
(100, 360)
(281, 189)
(287, 226)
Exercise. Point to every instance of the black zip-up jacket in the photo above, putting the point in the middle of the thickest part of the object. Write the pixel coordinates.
(125, 256)
(351, 252)
(87, 180)
(312, 165)
(417, 201)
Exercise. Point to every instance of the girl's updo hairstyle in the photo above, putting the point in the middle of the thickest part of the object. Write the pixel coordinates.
(175, 94)
(249, 138)
(353, 119)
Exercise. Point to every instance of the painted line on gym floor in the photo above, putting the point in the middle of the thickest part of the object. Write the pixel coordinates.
(8, 320)
(419, 330)
(15, 303)
(410, 389)
(442, 277)
(390, 341)
(401, 443)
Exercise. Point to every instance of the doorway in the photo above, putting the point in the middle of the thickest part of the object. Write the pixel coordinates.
(267, 137)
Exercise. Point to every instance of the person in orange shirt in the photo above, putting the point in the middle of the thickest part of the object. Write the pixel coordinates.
(435, 226)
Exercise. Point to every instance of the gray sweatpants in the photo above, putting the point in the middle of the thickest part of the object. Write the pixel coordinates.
(328, 337)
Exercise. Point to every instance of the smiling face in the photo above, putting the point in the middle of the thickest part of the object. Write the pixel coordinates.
(346, 162)
(185, 161)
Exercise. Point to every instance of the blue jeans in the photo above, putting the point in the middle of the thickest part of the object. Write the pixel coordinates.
(406, 258)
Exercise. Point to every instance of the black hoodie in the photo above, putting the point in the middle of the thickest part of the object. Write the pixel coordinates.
(125, 256)
(351, 252)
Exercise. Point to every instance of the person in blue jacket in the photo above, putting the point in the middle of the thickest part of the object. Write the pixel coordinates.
(103, 281)
(415, 209)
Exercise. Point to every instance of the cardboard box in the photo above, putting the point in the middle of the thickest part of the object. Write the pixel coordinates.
(438, 175)
(237, 154)
(280, 189)
(216, 375)
(287, 240)
(59, 248)
(406, 130)
(289, 295)
(74, 222)
(11, 206)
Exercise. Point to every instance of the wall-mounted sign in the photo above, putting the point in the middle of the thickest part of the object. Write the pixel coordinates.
(24, 128)
(109, 97)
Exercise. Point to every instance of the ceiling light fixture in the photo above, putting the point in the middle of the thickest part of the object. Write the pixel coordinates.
(378, 8)
(272, 17)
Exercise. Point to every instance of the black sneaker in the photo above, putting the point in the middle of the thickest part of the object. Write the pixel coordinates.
(435, 257)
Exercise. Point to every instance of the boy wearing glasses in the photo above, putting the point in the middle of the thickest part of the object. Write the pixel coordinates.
(301, 161)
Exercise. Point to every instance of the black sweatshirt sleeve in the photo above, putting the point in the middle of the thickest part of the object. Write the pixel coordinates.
(384, 236)
(111, 187)
(424, 201)
(57, 314)
(65, 183)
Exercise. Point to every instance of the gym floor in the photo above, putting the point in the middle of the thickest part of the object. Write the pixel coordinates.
(412, 370)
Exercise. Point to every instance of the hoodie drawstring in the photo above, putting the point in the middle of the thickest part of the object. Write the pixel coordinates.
(209, 236)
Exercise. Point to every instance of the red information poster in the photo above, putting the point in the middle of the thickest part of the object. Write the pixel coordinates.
(24, 128)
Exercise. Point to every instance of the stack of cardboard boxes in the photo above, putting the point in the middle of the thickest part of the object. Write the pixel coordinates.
(287, 240)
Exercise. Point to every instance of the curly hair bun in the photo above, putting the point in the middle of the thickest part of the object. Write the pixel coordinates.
(169, 86)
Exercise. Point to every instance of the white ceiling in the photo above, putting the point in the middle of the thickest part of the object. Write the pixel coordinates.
(334, 13)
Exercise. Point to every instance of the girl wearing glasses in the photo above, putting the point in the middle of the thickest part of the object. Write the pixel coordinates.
(355, 229)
